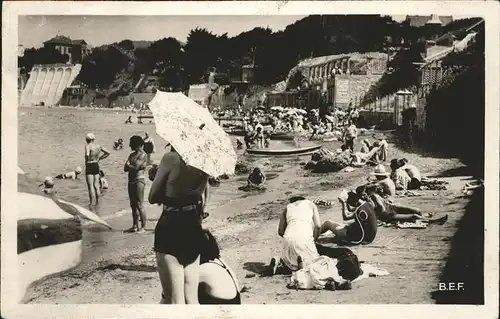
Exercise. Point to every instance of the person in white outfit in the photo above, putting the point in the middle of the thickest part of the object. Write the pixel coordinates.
(300, 227)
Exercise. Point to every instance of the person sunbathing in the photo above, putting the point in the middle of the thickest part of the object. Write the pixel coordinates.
(390, 212)
(256, 177)
(70, 175)
(218, 284)
(383, 181)
(364, 228)
(400, 178)
(360, 159)
(413, 173)
(299, 226)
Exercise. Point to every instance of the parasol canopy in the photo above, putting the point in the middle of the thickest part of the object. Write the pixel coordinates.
(193, 132)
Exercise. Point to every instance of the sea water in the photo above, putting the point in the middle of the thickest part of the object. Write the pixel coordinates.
(51, 141)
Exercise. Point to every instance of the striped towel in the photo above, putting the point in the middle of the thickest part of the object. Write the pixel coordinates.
(321, 202)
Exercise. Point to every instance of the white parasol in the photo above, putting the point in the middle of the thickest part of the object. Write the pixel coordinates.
(194, 133)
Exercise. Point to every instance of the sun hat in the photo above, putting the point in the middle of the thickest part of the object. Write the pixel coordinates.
(380, 171)
(90, 136)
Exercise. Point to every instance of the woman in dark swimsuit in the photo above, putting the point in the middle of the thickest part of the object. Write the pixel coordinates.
(149, 146)
(364, 228)
(183, 191)
(218, 284)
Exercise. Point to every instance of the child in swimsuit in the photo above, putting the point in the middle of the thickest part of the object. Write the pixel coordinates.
(118, 145)
(48, 186)
(70, 175)
(103, 182)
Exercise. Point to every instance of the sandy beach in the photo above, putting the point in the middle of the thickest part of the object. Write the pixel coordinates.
(121, 268)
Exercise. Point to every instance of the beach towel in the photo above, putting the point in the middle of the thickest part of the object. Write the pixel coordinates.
(412, 225)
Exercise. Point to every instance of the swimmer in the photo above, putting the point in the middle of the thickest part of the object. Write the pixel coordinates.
(70, 175)
(103, 182)
(48, 186)
(118, 145)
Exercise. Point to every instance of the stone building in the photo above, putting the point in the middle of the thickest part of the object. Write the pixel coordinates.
(77, 50)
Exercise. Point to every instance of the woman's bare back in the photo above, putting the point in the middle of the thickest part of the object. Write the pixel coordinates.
(183, 179)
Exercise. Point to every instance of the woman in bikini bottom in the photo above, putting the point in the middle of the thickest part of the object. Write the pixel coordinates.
(218, 286)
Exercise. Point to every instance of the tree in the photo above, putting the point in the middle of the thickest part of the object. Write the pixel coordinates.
(166, 57)
(40, 56)
(202, 52)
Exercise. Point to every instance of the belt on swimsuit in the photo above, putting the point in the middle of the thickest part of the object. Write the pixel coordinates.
(167, 208)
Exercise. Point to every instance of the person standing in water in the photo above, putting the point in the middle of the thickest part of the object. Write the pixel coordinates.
(135, 166)
(92, 157)
(149, 146)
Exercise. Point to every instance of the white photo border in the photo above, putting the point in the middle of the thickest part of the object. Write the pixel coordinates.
(489, 10)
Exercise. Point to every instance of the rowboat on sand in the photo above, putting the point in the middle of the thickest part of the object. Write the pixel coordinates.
(285, 152)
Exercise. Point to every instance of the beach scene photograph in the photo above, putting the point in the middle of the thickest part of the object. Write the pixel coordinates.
(251, 159)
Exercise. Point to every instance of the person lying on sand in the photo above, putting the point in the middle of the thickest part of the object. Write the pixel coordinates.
(360, 159)
(218, 284)
(389, 212)
(364, 228)
(256, 177)
(48, 186)
(299, 226)
(70, 175)
(118, 145)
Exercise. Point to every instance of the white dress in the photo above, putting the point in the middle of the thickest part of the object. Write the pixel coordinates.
(299, 238)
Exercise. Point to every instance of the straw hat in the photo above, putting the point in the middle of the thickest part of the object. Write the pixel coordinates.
(380, 171)
(90, 136)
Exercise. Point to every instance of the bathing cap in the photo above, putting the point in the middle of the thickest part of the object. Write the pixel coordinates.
(49, 181)
(90, 136)
(78, 169)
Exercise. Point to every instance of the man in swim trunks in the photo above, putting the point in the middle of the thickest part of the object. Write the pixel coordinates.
(92, 157)
(135, 166)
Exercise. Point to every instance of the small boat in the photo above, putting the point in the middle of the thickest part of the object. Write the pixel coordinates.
(295, 151)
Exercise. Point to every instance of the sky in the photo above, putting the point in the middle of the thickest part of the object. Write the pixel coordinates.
(99, 30)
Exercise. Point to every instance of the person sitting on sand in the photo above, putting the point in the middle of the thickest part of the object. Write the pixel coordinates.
(256, 177)
(413, 173)
(299, 226)
(118, 145)
(218, 284)
(70, 175)
(48, 186)
(103, 182)
(129, 120)
(360, 159)
(364, 228)
(383, 180)
(366, 146)
(400, 178)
